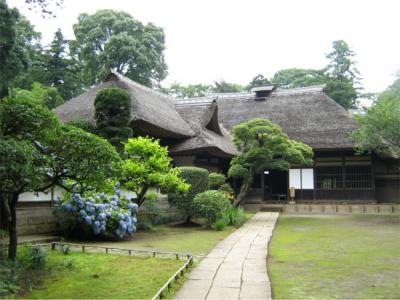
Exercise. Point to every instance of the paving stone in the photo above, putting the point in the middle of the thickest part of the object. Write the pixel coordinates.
(217, 293)
(228, 278)
(253, 291)
(199, 274)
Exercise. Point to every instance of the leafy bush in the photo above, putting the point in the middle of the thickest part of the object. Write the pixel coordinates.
(198, 180)
(220, 224)
(228, 190)
(103, 215)
(216, 180)
(211, 205)
(84, 125)
(32, 257)
(9, 279)
(234, 216)
(112, 114)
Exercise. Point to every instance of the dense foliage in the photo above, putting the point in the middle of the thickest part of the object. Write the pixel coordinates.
(380, 126)
(263, 145)
(47, 96)
(211, 205)
(110, 39)
(84, 125)
(59, 69)
(147, 165)
(113, 114)
(198, 180)
(216, 180)
(100, 214)
(37, 152)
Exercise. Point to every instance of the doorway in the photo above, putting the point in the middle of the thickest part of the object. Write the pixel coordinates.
(275, 185)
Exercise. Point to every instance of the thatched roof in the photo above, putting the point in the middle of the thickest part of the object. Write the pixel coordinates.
(210, 136)
(305, 114)
(152, 112)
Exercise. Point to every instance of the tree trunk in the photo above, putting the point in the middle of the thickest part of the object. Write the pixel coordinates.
(140, 197)
(4, 213)
(245, 188)
(12, 246)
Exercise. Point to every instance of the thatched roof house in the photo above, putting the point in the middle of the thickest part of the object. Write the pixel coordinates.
(197, 132)
(152, 112)
(305, 114)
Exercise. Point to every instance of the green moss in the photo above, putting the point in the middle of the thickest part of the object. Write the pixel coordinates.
(353, 256)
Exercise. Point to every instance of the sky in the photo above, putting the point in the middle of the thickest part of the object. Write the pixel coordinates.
(235, 40)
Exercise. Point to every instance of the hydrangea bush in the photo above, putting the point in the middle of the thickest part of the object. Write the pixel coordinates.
(111, 216)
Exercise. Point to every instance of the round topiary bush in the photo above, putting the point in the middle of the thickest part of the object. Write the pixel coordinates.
(211, 205)
(102, 215)
(198, 180)
(216, 180)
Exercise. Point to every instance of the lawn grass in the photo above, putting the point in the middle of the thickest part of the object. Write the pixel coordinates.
(193, 240)
(95, 275)
(331, 256)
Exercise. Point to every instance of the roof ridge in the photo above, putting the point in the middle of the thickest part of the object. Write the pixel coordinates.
(280, 91)
(143, 87)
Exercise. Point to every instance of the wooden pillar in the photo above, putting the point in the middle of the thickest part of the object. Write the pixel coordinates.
(344, 176)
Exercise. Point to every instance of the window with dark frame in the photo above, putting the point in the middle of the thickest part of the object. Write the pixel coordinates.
(329, 178)
(339, 177)
(358, 177)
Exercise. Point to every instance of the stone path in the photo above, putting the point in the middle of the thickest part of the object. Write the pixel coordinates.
(237, 267)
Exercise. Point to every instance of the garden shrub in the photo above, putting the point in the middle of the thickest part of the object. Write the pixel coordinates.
(220, 224)
(98, 215)
(83, 124)
(227, 189)
(211, 205)
(32, 257)
(216, 180)
(113, 114)
(198, 180)
(234, 216)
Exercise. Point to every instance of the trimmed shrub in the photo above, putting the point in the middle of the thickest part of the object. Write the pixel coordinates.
(216, 180)
(99, 215)
(113, 114)
(211, 205)
(198, 180)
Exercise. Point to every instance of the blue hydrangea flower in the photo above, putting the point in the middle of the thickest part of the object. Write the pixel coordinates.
(88, 220)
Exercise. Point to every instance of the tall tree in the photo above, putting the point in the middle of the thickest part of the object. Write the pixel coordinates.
(25, 59)
(8, 44)
(59, 69)
(263, 145)
(380, 126)
(342, 75)
(112, 39)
